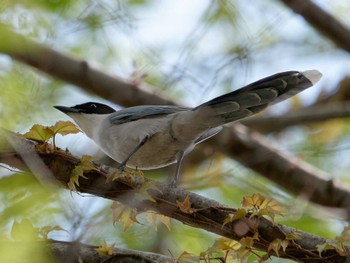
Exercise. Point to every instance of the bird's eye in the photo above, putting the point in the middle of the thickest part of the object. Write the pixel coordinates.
(93, 106)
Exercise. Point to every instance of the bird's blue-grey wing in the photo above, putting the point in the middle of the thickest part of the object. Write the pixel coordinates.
(143, 112)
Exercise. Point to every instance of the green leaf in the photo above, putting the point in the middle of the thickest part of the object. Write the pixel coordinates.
(24, 231)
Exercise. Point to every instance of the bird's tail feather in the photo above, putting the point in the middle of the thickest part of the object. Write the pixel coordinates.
(255, 97)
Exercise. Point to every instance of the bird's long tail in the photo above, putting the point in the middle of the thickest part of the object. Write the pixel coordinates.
(255, 97)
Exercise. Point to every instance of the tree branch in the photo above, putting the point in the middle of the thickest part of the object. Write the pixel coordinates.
(294, 174)
(207, 214)
(308, 115)
(77, 72)
(322, 21)
(58, 65)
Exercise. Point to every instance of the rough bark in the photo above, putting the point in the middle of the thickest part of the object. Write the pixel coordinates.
(206, 214)
(292, 173)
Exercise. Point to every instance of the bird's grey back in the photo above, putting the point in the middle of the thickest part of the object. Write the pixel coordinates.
(144, 112)
(227, 108)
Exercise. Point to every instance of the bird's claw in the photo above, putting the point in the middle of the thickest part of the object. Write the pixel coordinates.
(121, 167)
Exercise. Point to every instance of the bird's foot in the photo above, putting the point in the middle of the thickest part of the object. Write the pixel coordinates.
(173, 184)
(122, 167)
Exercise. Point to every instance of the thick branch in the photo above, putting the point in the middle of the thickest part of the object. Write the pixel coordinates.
(207, 214)
(322, 21)
(305, 116)
(77, 72)
(292, 173)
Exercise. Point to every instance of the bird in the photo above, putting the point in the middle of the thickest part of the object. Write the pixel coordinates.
(149, 137)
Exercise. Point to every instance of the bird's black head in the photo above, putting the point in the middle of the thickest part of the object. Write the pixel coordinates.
(94, 107)
(87, 108)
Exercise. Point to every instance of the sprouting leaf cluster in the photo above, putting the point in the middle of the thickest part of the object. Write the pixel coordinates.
(43, 133)
(340, 243)
(128, 216)
(257, 205)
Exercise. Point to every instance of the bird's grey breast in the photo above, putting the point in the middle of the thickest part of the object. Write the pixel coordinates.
(128, 127)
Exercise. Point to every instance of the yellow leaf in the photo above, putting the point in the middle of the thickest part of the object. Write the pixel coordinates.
(64, 128)
(271, 208)
(143, 195)
(186, 257)
(240, 213)
(275, 245)
(105, 249)
(256, 236)
(165, 220)
(323, 247)
(185, 206)
(114, 175)
(284, 244)
(228, 219)
(243, 253)
(247, 242)
(345, 236)
(261, 206)
(86, 163)
(340, 243)
(124, 214)
(153, 219)
(45, 230)
(294, 235)
(39, 133)
(253, 201)
(225, 244)
(74, 178)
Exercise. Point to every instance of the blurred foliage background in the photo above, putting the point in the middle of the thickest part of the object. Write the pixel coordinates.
(193, 51)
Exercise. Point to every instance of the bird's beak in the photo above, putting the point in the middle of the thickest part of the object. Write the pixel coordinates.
(66, 110)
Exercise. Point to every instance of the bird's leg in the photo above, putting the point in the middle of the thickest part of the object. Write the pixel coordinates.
(180, 157)
(123, 164)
